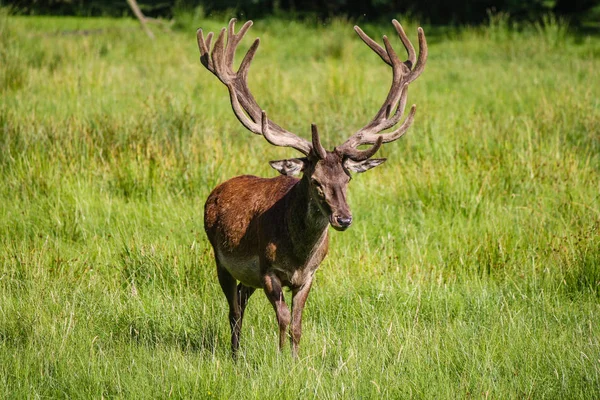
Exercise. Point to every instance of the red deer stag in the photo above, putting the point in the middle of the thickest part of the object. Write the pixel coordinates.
(271, 233)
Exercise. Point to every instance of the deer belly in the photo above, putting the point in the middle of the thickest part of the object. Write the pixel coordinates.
(244, 269)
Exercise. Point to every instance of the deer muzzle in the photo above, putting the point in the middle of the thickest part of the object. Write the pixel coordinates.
(340, 222)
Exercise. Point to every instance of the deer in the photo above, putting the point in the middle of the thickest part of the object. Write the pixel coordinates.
(272, 233)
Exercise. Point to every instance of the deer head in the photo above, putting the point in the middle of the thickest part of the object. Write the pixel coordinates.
(327, 173)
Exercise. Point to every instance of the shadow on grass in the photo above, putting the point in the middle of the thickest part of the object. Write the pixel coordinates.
(193, 339)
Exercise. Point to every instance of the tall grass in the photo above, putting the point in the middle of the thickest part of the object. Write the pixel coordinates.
(472, 268)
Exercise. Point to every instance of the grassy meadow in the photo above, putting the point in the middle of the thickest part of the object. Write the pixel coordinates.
(472, 269)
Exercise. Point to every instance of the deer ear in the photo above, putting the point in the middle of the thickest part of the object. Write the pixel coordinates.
(362, 166)
(290, 167)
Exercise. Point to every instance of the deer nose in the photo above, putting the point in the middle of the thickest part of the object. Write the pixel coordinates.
(343, 221)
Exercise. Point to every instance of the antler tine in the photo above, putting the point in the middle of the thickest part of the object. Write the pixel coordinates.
(362, 155)
(204, 46)
(231, 28)
(234, 39)
(423, 52)
(402, 74)
(373, 45)
(217, 56)
(219, 61)
(209, 39)
(398, 133)
(245, 65)
(238, 110)
(410, 50)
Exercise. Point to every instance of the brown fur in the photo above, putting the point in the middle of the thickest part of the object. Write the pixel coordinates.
(234, 204)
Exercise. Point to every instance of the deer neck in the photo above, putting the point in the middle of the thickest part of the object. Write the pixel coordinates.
(306, 223)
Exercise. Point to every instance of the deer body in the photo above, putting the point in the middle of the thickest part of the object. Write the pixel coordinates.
(273, 233)
(263, 226)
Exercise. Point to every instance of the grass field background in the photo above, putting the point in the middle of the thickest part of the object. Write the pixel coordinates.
(472, 268)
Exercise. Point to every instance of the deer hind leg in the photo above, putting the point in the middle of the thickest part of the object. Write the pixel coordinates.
(274, 292)
(229, 287)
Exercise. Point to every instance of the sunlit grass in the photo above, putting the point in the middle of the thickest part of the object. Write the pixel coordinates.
(472, 268)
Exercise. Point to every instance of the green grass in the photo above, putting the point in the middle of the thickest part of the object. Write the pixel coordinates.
(472, 268)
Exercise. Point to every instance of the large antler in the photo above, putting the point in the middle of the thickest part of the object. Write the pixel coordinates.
(219, 61)
(403, 74)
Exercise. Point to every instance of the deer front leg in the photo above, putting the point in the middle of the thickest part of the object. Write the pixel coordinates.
(243, 294)
(274, 292)
(298, 301)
